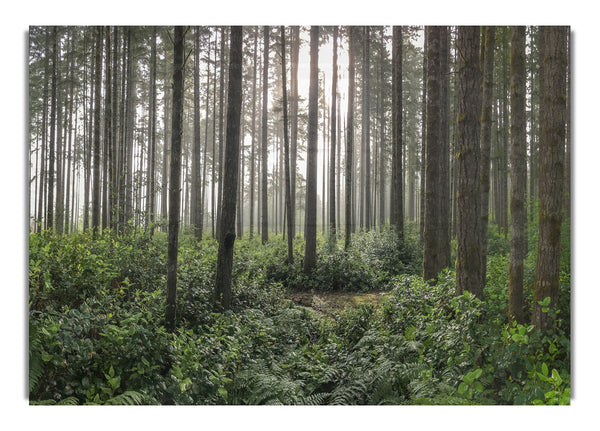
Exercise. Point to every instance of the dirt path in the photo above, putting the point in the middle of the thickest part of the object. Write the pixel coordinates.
(332, 302)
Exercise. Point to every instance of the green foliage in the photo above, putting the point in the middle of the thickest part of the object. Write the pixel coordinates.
(97, 337)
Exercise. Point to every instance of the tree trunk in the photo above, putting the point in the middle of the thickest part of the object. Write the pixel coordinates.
(518, 174)
(444, 178)
(96, 143)
(485, 144)
(253, 149)
(310, 235)
(468, 247)
(432, 236)
(286, 151)
(150, 193)
(366, 124)
(196, 151)
(295, 51)
(396, 195)
(553, 116)
(265, 142)
(174, 192)
(332, 203)
(349, 164)
(226, 235)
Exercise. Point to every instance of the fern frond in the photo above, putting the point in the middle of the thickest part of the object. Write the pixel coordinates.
(127, 398)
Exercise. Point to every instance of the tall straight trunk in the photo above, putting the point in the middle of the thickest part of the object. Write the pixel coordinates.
(253, 149)
(310, 235)
(96, 142)
(423, 145)
(114, 168)
(69, 152)
(108, 146)
(51, 149)
(382, 140)
(432, 237)
(295, 52)
(518, 174)
(230, 172)
(444, 178)
(366, 124)
(553, 117)
(59, 209)
(286, 149)
(396, 195)
(150, 193)
(166, 151)
(196, 219)
(485, 144)
(349, 163)
(174, 192)
(221, 126)
(265, 143)
(468, 247)
(332, 224)
(42, 166)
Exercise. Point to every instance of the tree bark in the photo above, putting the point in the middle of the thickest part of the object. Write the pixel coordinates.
(226, 235)
(396, 199)
(518, 174)
(468, 247)
(265, 142)
(432, 259)
(485, 143)
(175, 173)
(310, 235)
(349, 163)
(553, 115)
(333, 144)
(286, 150)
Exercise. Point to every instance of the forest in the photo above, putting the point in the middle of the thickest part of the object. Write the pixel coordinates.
(299, 215)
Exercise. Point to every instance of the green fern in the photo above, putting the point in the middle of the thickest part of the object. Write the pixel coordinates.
(127, 398)
(69, 401)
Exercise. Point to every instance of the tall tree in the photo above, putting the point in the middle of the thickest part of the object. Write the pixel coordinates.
(174, 192)
(96, 174)
(432, 263)
(332, 223)
(226, 236)
(310, 235)
(396, 195)
(553, 116)
(468, 99)
(286, 151)
(518, 173)
(349, 165)
(265, 139)
(485, 143)
(196, 151)
(295, 52)
(150, 191)
(51, 149)
(366, 124)
(444, 178)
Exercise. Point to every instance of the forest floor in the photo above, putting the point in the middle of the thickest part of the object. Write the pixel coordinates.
(329, 303)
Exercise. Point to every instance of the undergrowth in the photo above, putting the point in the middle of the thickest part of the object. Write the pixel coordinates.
(96, 330)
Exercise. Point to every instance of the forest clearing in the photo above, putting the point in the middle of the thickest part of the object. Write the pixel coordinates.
(289, 215)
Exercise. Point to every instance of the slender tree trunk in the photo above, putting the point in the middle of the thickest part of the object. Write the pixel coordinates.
(196, 177)
(366, 124)
(286, 151)
(310, 235)
(553, 117)
(444, 178)
(253, 149)
(423, 145)
(332, 203)
(468, 247)
(518, 174)
(51, 150)
(265, 143)
(108, 146)
(396, 195)
(485, 144)
(295, 52)
(174, 183)
(96, 143)
(150, 194)
(349, 163)
(230, 172)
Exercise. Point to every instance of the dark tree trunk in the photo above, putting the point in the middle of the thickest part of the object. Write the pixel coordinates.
(310, 235)
(196, 218)
(51, 149)
(432, 236)
(174, 192)
(253, 149)
(423, 145)
(265, 142)
(151, 193)
(366, 124)
(230, 172)
(332, 223)
(349, 164)
(295, 51)
(444, 178)
(468, 247)
(396, 195)
(485, 144)
(518, 174)
(96, 186)
(553, 116)
(286, 150)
